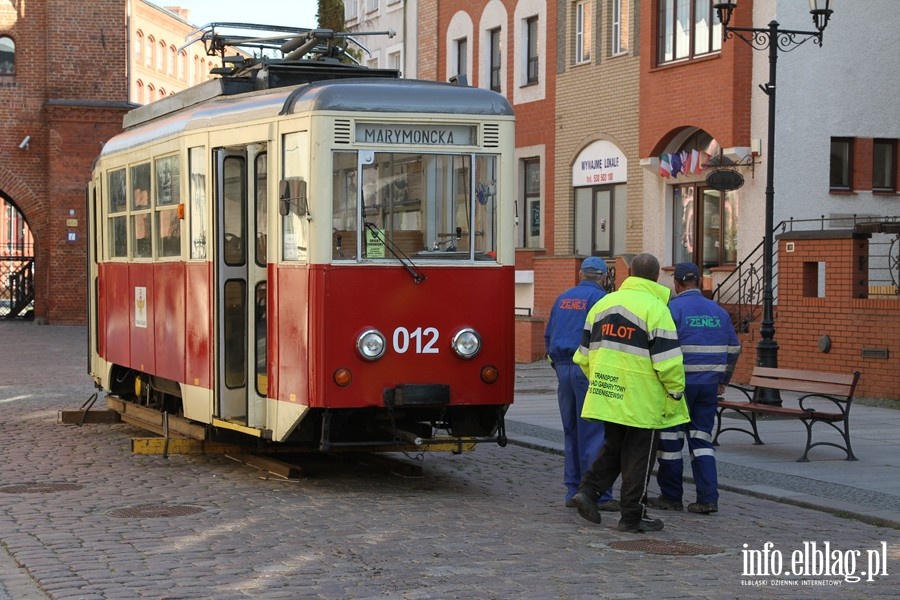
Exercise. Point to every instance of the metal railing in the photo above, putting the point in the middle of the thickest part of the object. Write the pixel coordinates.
(741, 292)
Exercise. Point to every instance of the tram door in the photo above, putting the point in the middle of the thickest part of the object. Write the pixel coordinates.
(241, 184)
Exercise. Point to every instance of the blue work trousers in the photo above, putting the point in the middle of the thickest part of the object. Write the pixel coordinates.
(583, 439)
(701, 401)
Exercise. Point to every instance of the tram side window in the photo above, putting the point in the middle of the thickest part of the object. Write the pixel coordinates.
(260, 186)
(168, 197)
(343, 221)
(197, 166)
(118, 231)
(294, 224)
(141, 227)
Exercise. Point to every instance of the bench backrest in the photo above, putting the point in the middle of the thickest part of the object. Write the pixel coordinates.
(810, 382)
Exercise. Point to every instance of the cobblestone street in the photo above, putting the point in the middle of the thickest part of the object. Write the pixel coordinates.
(83, 517)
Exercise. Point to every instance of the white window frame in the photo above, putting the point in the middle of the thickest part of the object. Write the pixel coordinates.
(619, 27)
(583, 41)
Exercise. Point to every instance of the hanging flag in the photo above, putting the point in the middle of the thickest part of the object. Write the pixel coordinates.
(704, 160)
(688, 166)
(695, 161)
(677, 164)
(665, 169)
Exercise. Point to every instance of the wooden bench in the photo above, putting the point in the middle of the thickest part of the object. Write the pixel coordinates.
(816, 390)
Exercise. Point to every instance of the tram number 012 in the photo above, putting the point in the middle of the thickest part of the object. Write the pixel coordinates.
(419, 340)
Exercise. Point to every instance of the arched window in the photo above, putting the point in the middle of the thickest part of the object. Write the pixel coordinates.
(138, 46)
(182, 61)
(172, 54)
(140, 92)
(148, 55)
(161, 57)
(7, 55)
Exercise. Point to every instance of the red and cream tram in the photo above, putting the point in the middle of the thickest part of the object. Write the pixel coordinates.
(309, 253)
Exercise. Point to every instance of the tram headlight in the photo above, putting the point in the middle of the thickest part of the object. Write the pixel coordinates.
(466, 343)
(371, 344)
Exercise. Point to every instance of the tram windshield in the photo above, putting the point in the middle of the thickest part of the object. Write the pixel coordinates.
(426, 206)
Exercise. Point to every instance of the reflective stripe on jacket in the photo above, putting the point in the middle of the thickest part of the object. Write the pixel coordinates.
(708, 340)
(631, 356)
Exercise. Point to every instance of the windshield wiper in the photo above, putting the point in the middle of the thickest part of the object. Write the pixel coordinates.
(417, 275)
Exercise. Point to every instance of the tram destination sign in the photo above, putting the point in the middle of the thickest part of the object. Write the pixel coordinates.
(391, 134)
(725, 180)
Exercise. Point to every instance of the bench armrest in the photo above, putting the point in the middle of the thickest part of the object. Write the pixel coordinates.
(842, 404)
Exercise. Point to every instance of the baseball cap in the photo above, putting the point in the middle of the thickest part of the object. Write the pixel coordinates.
(594, 265)
(685, 271)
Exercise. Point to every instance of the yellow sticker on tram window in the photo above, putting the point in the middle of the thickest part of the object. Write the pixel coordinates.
(375, 243)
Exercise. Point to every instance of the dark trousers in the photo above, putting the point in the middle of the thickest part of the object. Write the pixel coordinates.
(630, 452)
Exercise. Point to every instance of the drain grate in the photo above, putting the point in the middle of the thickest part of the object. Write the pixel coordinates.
(664, 547)
(39, 488)
(154, 511)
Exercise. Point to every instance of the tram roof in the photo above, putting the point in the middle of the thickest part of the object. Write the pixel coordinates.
(211, 105)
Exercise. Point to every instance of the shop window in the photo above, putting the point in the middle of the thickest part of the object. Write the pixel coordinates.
(687, 29)
(7, 56)
(841, 166)
(705, 225)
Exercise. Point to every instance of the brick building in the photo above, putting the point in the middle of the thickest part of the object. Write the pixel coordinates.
(69, 71)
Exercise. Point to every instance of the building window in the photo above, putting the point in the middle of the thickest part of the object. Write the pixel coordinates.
(494, 35)
(619, 26)
(583, 32)
(371, 5)
(148, 55)
(462, 56)
(531, 45)
(705, 225)
(161, 57)
(138, 47)
(140, 92)
(182, 65)
(172, 60)
(687, 29)
(394, 61)
(841, 164)
(529, 209)
(884, 166)
(351, 10)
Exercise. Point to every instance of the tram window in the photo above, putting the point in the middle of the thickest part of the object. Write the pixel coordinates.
(294, 226)
(343, 219)
(197, 160)
(169, 227)
(233, 207)
(260, 185)
(433, 206)
(118, 237)
(116, 190)
(168, 181)
(234, 343)
(260, 329)
(141, 224)
(117, 202)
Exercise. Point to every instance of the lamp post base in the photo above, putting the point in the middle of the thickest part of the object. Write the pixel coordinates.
(767, 356)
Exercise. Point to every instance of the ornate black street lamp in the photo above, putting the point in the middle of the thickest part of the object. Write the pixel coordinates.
(773, 39)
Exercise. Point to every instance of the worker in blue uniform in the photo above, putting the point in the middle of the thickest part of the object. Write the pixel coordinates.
(711, 348)
(583, 439)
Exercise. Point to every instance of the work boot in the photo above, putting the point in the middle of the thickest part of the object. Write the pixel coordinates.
(587, 507)
(663, 503)
(702, 508)
(644, 525)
